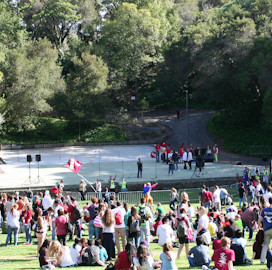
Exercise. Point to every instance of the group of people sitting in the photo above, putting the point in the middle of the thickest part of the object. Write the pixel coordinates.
(111, 226)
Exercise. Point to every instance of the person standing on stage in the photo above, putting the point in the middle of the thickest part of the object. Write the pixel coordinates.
(140, 168)
(82, 189)
(112, 184)
(215, 151)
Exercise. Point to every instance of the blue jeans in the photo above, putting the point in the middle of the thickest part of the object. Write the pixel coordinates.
(245, 225)
(176, 164)
(97, 232)
(53, 230)
(158, 156)
(191, 262)
(242, 200)
(91, 229)
(10, 230)
(145, 232)
(78, 230)
(28, 233)
(208, 205)
(171, 168)
(135, 241)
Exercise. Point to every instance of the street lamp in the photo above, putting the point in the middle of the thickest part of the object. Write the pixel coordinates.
(187, 116)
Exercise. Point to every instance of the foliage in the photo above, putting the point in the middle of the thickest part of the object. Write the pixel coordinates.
(106, 133)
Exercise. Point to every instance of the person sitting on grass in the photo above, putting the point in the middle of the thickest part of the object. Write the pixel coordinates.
(125, 258)
(199, 255)
(143, 259)
(75, 251)
(168, 257)
(43, 254)
(103, 255)
(61, 253)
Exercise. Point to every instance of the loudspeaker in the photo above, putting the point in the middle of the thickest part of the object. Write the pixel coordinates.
(29, 158)
(38, 158)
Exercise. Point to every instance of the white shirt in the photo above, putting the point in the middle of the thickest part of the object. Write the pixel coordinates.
(233, 207)
(109, 229)
(231, 215)
(190, 156)
(66, 259)
(98, 186)
(47, 202)
(13, 220)
(147, 265)
(216, 195)
(184, 157)
(204, 222)
(75, 253)
(122, 213)
(165, 234)
(56, 211)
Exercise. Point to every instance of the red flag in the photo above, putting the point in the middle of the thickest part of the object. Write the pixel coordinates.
(73, 165)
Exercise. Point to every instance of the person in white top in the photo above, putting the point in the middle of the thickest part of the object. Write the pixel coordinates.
(144, 259)
(47, 201)
(75, 251)
(120, 227)
(164, 232)
(203, 224)
(13, 224)
(189, 159)
(62, 254)
(216, 198)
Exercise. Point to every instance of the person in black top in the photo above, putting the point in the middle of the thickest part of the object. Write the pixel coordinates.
(43, 254)
(242, 194)
(239, 254)
(231, 229)
(140, 168)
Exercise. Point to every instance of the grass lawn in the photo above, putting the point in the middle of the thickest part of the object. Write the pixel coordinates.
(23, 257)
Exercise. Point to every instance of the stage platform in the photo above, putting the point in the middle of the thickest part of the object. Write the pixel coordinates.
(103, 162)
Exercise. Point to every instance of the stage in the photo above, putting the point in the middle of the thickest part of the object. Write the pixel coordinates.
(102, 162)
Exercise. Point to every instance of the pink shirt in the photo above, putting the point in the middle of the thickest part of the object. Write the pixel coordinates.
(60, 225)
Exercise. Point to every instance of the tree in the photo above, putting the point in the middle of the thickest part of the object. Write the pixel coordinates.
(130, 44)
(86, 87)
(31, 79)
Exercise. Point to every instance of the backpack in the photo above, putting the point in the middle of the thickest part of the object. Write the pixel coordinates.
(88, 258)
(134, 226)
(143, 214)
(77, 212)
(118, 219)
(182, 229)
(250, 192)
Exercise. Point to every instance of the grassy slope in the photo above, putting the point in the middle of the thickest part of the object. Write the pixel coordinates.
(23, 257)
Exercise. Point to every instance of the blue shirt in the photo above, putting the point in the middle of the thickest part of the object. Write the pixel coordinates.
(267, 216)
(168, 264)
(103, 254)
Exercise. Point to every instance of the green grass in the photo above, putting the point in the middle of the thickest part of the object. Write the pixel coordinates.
(23, 257)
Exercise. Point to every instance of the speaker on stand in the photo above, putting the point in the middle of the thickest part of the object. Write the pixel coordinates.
(28, 180)
(38, 179)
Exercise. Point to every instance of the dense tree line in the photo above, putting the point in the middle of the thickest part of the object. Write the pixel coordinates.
(84, 59)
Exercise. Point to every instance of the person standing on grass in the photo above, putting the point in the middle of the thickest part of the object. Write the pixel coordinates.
(13, 224)
(266, 219)
(27, 217)
(41, 228)
(60, 224)
(140, 168)
(216, 198)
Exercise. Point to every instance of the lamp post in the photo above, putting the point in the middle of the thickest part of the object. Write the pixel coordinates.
(187, 116)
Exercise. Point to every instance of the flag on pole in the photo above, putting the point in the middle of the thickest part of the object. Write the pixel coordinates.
(73, 165)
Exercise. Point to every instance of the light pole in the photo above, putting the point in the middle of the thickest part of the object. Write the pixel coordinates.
(187, 116)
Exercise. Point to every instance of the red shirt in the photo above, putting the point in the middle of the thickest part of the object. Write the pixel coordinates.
(191, 149)
(216, 244)
(27, 216)
(181, 151)
(208, 195)
(168, 149)
(70, 211)
(157, 147)
(122, 262)
(60, 225)
(221, 257)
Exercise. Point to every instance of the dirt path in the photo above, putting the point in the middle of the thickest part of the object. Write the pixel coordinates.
(198, 134)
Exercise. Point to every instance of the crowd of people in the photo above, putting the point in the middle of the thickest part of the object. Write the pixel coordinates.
(107, 231)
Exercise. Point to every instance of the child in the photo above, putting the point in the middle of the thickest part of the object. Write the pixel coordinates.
(103, 255)
(174, 198)
(147, 189)
(168, 257)
(159, 210)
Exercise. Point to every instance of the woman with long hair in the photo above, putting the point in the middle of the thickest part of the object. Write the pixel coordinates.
(108, 231)
(125, 258)
(60, 225)
(27, 217)
(134, 233)
(184, 202)
(174, 198)
(168, 257)
(13, 224)
(61, 253)
(40, 229)
(203, 224)
(144, 259)
(44, 255)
